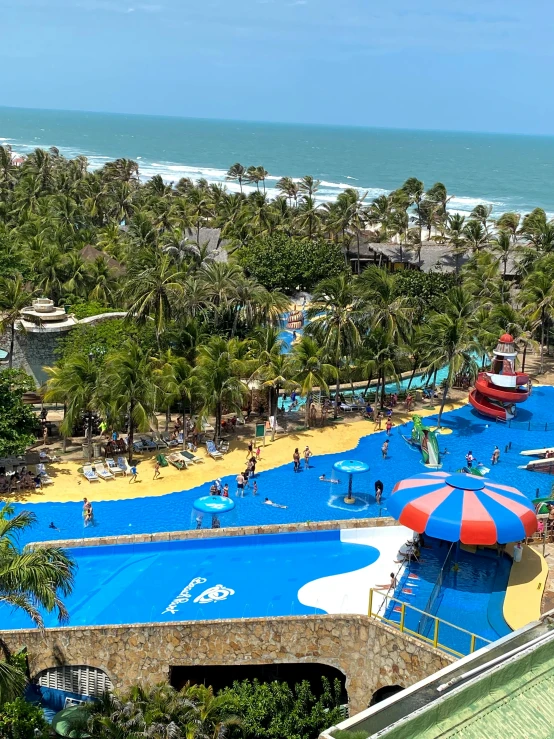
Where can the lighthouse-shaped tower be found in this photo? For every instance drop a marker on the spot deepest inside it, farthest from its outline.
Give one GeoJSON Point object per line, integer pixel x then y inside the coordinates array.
{"type": "Point", "coordinates": [496, 392]}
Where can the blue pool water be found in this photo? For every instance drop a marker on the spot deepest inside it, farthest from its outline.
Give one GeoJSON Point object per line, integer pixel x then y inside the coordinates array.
{"type": "Point", "coordinates": [306, 497]}
{"type": "Point", "coordinates": [256, 576]}
{"type": "Point", "coordinates": [471, 596]}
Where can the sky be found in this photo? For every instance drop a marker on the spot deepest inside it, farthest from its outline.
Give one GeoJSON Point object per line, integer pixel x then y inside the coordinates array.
{"type": "Point", "coordinates": [449, 64]}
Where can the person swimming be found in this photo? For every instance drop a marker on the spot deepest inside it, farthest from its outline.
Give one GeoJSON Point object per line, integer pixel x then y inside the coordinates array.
{"type": "Point", "coordinates": [275, 505]}
{"type": "Point", "coordinates": [329, 479]}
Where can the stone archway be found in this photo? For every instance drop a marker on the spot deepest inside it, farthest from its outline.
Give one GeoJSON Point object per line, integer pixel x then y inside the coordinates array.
{"type": "Point", "coordinates": [385, 692]}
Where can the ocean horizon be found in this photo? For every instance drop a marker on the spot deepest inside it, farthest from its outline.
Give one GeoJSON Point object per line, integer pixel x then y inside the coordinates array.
{"type": "Point", "coordinates": [506, 171]}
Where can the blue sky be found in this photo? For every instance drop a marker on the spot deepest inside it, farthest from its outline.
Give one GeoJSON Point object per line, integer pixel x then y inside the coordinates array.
{"type": "Point", "coordinates": [453, 64]}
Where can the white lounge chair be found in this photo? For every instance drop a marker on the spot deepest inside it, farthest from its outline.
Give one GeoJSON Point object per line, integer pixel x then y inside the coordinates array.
{"type": "Point", "coordinates": [207, 426]}
{"type": "Point", "coordinates": [113, 468]}
{"type": "Point", "coordinates": [190, 456]}
{"type": "Point", "coordinates": [102, 472]}
{"type": "Point", "coordinates": [123, 465]}
{"type": "Point", "coordinates": [89, 473]}
{"type": "Point", "coordinates": [213, 451]}
{"type": "Point", "coordinates": [44, 476]}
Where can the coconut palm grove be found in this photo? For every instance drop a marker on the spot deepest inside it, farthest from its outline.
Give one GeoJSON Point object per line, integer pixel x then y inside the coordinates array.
{"type": "Point", "coordinates": [201, 282]}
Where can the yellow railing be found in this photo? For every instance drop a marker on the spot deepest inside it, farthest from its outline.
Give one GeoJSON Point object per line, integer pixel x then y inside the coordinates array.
{"type": "Point", "coordinates": [437, 622]}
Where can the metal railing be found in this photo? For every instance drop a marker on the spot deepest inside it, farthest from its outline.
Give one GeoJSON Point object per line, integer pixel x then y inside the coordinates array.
{"type": "Point", "coordinates": [527, 425]}
{"type": "Point", "coordinates": [437, 623]}
{"type": "Point", "coordinates": [424, 621]}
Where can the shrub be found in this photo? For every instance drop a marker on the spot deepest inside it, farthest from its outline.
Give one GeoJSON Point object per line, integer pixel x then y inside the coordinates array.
{"type": "Point", "coordinates": [280, 262]}
{"type": "Point", "coordinates": [19, 720]}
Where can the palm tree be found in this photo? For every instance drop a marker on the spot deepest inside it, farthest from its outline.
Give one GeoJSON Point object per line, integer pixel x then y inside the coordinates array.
{"type": "Point", "coordinates": [14, 295]}
{"type": "Point", "coordinates": [154, 292]}
{"type": "Point", "coordinates": [129, 388]}
{"type": "Point", "coordinates": [414, 190]}
{"type": "Point", "coordinates": [219, 371]}
{"type": "Point", "coordinates": [76, 384]}
{"type": "Point", "coordinates": [509, 222]}
{"type": "Point", "coordinates": [538, 297]}
{"type": "Point", "coordinates": [449, 341]}
{"type": "Point", "coordinates": [272, 365]}
{"type": "Point", "coordinates": [381, 304]}
{"type": "Point", "coordinates": [32, 580]}
{"type": "Point", "coordinates": [308, 186]}
{"type": "Point", "coordinates": [236, 172]}
{"type": "Point", "coordinates": [482, 214]}
{"type": "Point", "coordinates": [503, 246]}
{"type": "Point", "coordinates": [180, 381]}
{"type": "Point", "coordinates": [310, 370]}
{"type": "Point", "coordinates": [455, 232]}
{"type": "Point", "coordinates": [334, 322]}
{"type": "Point", "coordinates": [475, 234]}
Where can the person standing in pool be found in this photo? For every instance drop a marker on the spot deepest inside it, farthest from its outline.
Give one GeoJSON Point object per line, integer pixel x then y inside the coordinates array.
{"type": "Point", "coordinates": [385, 448]}
{"type": "Point", "coordinates": [240, 484]}
{"type": "Point", "coordinates": [495, 459]}
{"type": "Point", "coordinates": [255, 488]}
{"type": "Point", "coordinates": [226, 490]}
{"type": "Point", "coordinates": [378, 491]}
{"type": "Point", "coordinates": [388, 425]}
{"type": "Point", "coordinates": [296, 460]}
{"type": "Point", "coordinates": [469, 458]}
{"type": "Point", "coordinates": [307, 455]}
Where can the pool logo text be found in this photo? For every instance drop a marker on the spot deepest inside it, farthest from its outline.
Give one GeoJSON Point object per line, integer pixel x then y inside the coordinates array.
{"type": "Point", "coordinates": [210, 595]}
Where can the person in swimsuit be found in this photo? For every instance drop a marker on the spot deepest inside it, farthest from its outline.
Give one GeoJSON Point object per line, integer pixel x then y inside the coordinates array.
{"type": "Point", "coordinates": [240, 484]}
{"type": "Point", "coordinates": [275, 505]}
{"type": "Point", "coordinates": [296, 460]}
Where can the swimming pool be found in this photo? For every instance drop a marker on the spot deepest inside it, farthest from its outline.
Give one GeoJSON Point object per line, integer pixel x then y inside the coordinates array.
{"type": "Point", "coordinates": [471, 596]}
{"type": "Point", "coordinates": [225, 577]}
{"type": "Point", "coordinates": [306, 497]}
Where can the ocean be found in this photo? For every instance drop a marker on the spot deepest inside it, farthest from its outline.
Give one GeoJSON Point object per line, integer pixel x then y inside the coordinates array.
{"type": "Point", "coordinates": [508, 172]}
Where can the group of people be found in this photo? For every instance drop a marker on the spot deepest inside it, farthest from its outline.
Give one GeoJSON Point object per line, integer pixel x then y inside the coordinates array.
{"type": "Point", "coordinates": [470, 459]}
{"type": "Point", "coordinates": [296, 459]}
{"type": "Point", "coordinates": [22, 479]}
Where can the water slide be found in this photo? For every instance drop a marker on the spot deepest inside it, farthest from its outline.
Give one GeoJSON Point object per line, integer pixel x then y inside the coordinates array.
{"type": "Point", "coordinates": [426, 440]}
{"type": "Point", "coordinates": [489, 407]}
{"type": "Point", "coordinates": [510, 395]}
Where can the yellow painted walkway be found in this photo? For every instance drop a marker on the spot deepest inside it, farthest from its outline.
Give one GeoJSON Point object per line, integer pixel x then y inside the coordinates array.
{"type": "Point", "coordinates": [522, 603]}
{"type": "Point", "coordinates": [69, 485]}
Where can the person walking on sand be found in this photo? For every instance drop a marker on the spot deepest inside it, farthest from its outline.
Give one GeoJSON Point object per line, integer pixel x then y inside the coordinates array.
{"type": "Point", "coordinates": [250, 449]}
{"type": "Point", "coordinates": [133, 474]}
{"type": "Point", "coordinates": [385, 448]}
{"type": "Point", "coordinates": [378, 422]}
{"type": "Point", "coordinates": [258, 453]}
{"type": "Point", "coordinates": [156, 470]}
{"type": "Point", "coordinates": [307, 455]}
{"type": "Point", "coordinates": [296, 460]}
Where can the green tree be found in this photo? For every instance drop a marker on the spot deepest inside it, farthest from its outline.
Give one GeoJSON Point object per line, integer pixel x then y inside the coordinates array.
{"type": "Point", "coordinates": [334, 320]}
{"type": "Point", "coordinates": [14, 295]}
{"type": "Point", "coordinates": [20, 719]}
{"type": "Point", "coordinates": [236, 172]}
{"type": "Point", "coordinates": [129, 388]}
{"type": "Point", "coordinates": [310, 370]}
{"type": "Point", "coordinates": [219, 369]}
{"type": "Point", "coordinates": [18, 423]}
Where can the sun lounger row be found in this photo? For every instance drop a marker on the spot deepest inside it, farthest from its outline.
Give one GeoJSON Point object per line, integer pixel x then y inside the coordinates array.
{"type": "Point", "coordinates": [98, 471]}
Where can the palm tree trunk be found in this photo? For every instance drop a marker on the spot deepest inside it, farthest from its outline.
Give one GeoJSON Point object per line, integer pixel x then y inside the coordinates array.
{"type": "Point", "coordinates": [12, 342]}
{"type": "Point", "coordinates": [183, 407]}
{"type": "Point", "coordinates": [337, 391]}
{"type": "Point", "coordinates": [524, 358]}
{"type": "Point", "coordinates": [383, 390]}
{"type": "Point", "coordinates": [217, 434]}
{"type": "Point", "coordinates": [412, 375]}
{"type": "Point", "coordinates": [443, 402]}
{"type": "Point", "coordinates": [542, 345]}
{"type": "Point", "coordinates": [89, 431]}
{"type": "Point", "coordinates": [358, 248]}
{"type": "Point", "coordinates": [308, 402]}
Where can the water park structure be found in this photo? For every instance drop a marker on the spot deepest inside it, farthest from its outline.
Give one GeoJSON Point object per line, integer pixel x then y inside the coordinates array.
{"type": "Point", "coordinates": [425, 439]}
{"type": "Point", "coordinates": [496, 392]}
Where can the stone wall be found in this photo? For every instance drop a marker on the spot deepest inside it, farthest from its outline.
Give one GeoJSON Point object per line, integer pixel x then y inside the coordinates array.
{"type": "Point", "coordinates": [369, 653]}
{"type": "Point", "coordinates": [32, 351]}
{"type": "Point", "coordinates": [285, 528]}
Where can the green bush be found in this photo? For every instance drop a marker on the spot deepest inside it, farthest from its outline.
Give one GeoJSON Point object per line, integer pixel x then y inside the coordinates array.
{"type": "Point", "coordinates": [429, 288]}
{"type": "Point", "coordinates": [283, 263]}
{"type": "Point", "coordinates": [275, 710]}
{"type": "Point", "coordinates": [18, 423]}
{"type": "Point", "coordinates": [88, 309]}
{"type": "Point", "coordinates": [345, 734]}
{"type": "Point", "coordinates": [19, 719]}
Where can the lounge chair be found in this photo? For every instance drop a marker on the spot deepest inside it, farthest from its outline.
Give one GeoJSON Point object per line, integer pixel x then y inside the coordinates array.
{"type": "Point", "coordinates": [190, 457]}
{"type": "Point", "coordinates": [160, 441]}
{"type": "Point", "coordinates": [102, 472]}
{"type": "Point", "coordinates": [213, 451]}
{"type": "Point", "coordinates": [177, 461]}
{"type": "Point", "coordinates": [89, 473]}
{"type": "Point", "coordinates": [44, 476]}
{"type": "Point", "coordinates": [223, 446]}
{"type": "Point", "coordinates": [207, 426]}
{"type": "Point", "coordinates": [49, 457]}
{"type": "Point", "coordinates": [162, 461]}
{"type": "Point", "coordinates": [169, 441]}
{"type": "Point", "coordinates": [123, 465]}
{"type": "Point", "coordinates": [148, 443]}
{"type": "Point", "coordinates": [113, 467]}
{"type": "Point", "coordinates": [139, 447]}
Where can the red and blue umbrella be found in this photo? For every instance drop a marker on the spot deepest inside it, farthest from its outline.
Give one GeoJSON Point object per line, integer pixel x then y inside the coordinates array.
{"type": "Point", "coordinates": [460, 507]}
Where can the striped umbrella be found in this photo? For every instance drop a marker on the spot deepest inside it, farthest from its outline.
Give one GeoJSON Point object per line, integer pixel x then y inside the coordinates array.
{"type": "Point", "coordinates": [460, 507]}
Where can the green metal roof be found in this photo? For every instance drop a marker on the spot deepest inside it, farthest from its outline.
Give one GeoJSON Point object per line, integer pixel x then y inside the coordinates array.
{"type": "Point", "coordinates": [514, 701]}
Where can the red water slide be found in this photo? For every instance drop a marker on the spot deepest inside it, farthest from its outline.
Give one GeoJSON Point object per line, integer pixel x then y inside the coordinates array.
{"type": "Point", "coordinates": [506, 395]}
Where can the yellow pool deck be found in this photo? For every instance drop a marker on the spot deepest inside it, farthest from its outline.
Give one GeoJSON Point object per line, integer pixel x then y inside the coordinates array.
{"type": "Point", "coordinates": [69, 485]}
{"type": "Point", "coordinates": [522, 603]}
